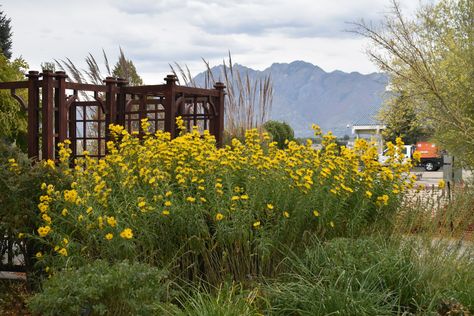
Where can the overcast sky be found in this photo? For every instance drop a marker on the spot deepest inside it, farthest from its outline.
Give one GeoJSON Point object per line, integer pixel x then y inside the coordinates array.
{"type": "Point", "coordinates": [156, 33]}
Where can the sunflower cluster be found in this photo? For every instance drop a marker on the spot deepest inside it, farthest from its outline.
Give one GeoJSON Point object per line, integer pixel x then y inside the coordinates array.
{"type": "Point", "coordinates": [157, 194]}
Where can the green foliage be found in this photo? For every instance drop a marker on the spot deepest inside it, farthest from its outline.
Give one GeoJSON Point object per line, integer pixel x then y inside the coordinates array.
{"type": "Point", "coordinates": [101, 288]}
{"type": "Point", "coordinates": [281, 132]}
{"type": "Point", "coordinates": [12, 118]}
{"type": "Point", "coordinates": [230, 218]}
{"type": "Point", "coordinates": [20, 183]}
{"type": "Point", "coordinates": [373, 276]}
{"type": "Point", "coordinates": [429, 60]}
{"type": "Point", "coordinates": [226, 300]}
{"type": "Point", "coordinates": [124, 68]}
{"type": "Point", "coordinates": [5, 35]}
{"type": "Point", "coordinates": [407, 124]}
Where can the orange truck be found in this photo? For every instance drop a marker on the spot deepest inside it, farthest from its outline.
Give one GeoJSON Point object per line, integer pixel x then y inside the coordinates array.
{"type": "Point", "coordinates": [431, 158]}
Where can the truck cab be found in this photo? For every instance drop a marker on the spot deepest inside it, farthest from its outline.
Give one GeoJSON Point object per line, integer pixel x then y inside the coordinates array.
{"type": "Point", "coordinates": [431, 158]}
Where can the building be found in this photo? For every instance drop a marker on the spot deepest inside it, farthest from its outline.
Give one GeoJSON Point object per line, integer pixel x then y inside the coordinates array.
{"type": "Point", "coordinates": [367, 126]}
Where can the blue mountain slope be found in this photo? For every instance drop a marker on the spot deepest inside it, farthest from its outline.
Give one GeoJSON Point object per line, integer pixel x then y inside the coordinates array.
{"type": "Point", "coordinates": [306, 94]}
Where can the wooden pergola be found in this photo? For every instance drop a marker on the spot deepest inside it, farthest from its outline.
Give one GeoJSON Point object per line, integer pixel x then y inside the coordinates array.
{"type": "Point", "coordinates": [58, 109]}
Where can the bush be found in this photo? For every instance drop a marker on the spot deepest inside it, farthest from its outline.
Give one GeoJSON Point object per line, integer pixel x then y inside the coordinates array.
{"type": "Point", "coordinates": [101, 288]}
{"type": "Point", "coordinates": [213, 212]}
{"type": "Point", "coordinates": [281, 132]}
{"type": "Point", "coordinates": [20, 183]}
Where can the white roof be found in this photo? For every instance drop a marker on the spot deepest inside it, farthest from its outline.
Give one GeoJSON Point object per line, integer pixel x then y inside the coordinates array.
{"type": "Point", "coordinates": [370, 128]}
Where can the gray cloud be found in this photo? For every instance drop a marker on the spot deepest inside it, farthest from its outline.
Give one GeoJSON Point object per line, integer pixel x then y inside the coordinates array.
{"type": "Point", "coordinates": [298, 18]}
{"type": "Point", "coordinates": [303, 20]}
{"type": "Point", "coordinates": [154, 33]}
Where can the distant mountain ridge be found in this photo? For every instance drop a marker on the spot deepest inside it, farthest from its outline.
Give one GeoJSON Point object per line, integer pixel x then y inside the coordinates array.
{"type": "Point", "coordinates": [305, 94]}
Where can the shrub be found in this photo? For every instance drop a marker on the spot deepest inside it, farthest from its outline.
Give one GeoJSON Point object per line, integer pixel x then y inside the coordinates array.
{"type": "Point", "coordinates": [101, 288]}
{"type": "Point", "coordinates": [20, 183]}
{"type": "Point", "coordinates": [213, 212]}
{"type": "Point", "coordinates": [281, 132]}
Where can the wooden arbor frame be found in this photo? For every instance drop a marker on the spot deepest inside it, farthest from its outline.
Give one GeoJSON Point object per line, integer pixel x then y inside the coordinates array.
{"type": "Point", "coordinates": [54, 115]}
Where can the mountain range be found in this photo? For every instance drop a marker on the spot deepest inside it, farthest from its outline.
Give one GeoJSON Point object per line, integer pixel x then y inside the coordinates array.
{"type": "Point", "coordinates": [305, 94]}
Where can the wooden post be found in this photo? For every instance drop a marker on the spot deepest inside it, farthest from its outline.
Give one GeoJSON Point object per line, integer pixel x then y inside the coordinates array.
{"type": "Point", "coordinates": [73, 126]}
{"type": "Point", "coordinates": [218, 120]}
{"type": "Point", "coordinates": [33, 115]}
{"type": "Point", "coordinates": [142, 108]}
{"type": "Point", "coordinates": [170, 105]}
{"type": "Point", "coordinates": [121, 101]}
{"type": "Point", "coordinates": [48, 116]}
{"type": "Point", "coordinates": [61, 115]}
{"type": "Point", "coordinates": [110, 105]}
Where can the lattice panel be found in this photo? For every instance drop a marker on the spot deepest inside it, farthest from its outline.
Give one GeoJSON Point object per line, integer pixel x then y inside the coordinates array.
{"type": "Point", "coordinates": [89, 127]}
{"type": "Point", "coordinates": [196, 112]}
{"type": "Point", "coordinates": [150, 107]}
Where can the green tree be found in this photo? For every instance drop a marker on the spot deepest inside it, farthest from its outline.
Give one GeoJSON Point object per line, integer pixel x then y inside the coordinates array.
{"type": "Point", "coordinates": [124, 68]}
{"type": "Point", "coordinates": [48, 66]}
{"type": "Point", "coordinates": [13, 123]}
{"type": "Point", "coordinates": [280, 132]}
{"type": "Point", "coordinates": [430, 59]}
{"type": "Point", "coordinates": [407, 123]}
{"type": "Point", "coordinates": [5, 35]}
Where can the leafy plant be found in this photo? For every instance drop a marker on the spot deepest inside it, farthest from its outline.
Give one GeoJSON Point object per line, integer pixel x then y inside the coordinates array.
{"type": "Point", "coordinates": [5, 35]}
{"type": "Point", "coordinates": [20, 189]}
{"type": "Point", "coordinates": [210, 211]}
{"type": "Point", "coordinates": [100, 288]}
{"type": "Point", "coordinates": [12, 116]}
{"type": "Point", "coordinates": [281, 132]}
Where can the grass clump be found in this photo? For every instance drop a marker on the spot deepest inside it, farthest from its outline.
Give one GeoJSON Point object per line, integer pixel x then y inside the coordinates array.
{"type": "Point", "coordinates": [227, 299]}
{"type": "Point", "coordinates": [436, 213]}
{"type": "Point", "coordinates": [374, 276]}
